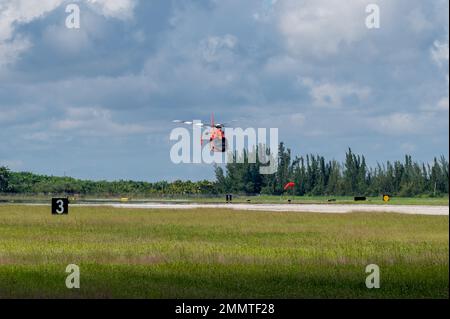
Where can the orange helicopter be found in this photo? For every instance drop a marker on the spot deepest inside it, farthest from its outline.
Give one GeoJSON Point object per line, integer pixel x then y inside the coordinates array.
{"type": "Point", "coordinates": [216, 134]}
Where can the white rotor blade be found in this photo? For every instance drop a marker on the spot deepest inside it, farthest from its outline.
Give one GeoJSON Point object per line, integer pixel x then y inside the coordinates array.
{"type": "Point", "coordinates": [184, 122]}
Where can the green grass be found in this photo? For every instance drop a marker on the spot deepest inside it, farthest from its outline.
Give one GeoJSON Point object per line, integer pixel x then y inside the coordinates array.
{"type": "Point", "coordinates": [126, 253]}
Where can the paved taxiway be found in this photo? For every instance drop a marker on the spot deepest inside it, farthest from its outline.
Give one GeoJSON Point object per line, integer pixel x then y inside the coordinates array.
{"type": "Point", "coordinates": [301, 208]}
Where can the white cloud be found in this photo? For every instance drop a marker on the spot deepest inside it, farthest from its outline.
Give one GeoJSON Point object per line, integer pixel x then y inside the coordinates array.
{"type": "Point", "coordinates": [211, 60]}
{"type": "Point", "coordinates": [265, 12]}
{"type": "Point", "coordinates": [443, 104]}
{"type": "Point", "coordinates": [320, 27]}
{"type": "Point", "coordinates": [440, 55]}
{"type": "Point", "coordinates": [65, 40]}
{"type": "Point", "coordinates": [333, 95]}
{"type": "Point", "coordinates": [214, 48]}
{"type": "Point", "coordinates": [96, 121]}
{"type": "Point", "coordinates": [397, 123]}
{"type": "Point", "coordinates": [406, 123]}
{"type": "Point", "coordinates": [121, 9]}
{"type": "Point", "coordinates": [22, 11]}
{"type": "Point", "coordinates": [19, 12]}
{"type": "Point", "coordinates": [440, 52]}
{"type": "Point", "coordinates": [11, 49]}
{"type": "Point", "coordinates": [297, 119]}
{"type": "Point", "coordinates": [418, 20]}
{"type": "Point", "coordinates": [16, 12]}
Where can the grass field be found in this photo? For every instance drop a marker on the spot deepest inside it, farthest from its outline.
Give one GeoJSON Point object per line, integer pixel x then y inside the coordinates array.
{"type": "Point", "coordinates": [126, 253]}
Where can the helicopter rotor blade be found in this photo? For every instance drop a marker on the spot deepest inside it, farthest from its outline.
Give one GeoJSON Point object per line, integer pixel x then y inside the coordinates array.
{"type": "Point", "coordinates": [182, 122]}
{"type": "Point", "coordinates": [201, 124]}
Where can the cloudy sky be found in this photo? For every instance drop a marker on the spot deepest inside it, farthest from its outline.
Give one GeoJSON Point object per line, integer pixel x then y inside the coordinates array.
{"type": "Point", "coordinates": [97, 102]}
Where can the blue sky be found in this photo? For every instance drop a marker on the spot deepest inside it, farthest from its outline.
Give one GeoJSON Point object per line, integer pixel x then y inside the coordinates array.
{"type": "Point", "coordinates": [97, 102]}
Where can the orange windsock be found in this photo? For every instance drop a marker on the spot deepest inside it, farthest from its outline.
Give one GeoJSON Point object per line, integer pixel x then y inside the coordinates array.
{"type": "Point", "coordinates": [289, 185]}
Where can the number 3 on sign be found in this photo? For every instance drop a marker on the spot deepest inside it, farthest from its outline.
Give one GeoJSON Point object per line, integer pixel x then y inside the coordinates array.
{"type": "Point", "coordinates": [60, 206]}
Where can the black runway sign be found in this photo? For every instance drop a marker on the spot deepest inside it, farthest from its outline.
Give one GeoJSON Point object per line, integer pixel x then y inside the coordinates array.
{"type": "Point", "coordinates": [60, 206]}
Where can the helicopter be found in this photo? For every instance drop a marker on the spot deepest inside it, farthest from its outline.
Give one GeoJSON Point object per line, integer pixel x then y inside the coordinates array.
{"type": "Point", "coordinates": [215, 136]}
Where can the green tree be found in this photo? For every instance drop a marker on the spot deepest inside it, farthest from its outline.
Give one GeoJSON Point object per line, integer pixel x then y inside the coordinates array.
{"type": "Point", "coordinates": [4, 179]}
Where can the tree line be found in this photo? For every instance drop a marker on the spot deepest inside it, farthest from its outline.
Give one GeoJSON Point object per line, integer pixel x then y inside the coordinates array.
{"type": "Point", "coordinates": [34, 184]}
{"type": "Point", "coordinates": [313, 175]}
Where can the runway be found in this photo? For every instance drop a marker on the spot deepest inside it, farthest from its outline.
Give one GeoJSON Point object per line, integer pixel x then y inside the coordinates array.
{"type": "Point", "coordinates": [300, 208]}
